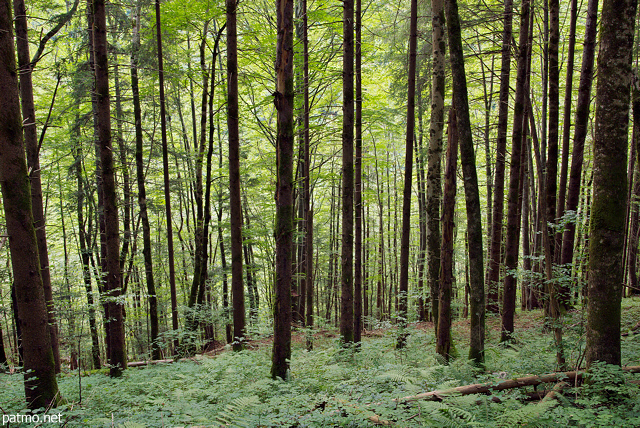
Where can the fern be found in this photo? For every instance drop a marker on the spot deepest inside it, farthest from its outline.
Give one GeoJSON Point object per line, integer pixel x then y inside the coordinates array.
{"type": "Point", "coordinates": [239, 413]}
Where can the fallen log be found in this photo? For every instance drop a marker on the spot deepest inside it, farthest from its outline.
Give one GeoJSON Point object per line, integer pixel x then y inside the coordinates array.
{"type": "Point", "coordinates": [149, 363]}
{"type": "Point", "coordinates": [484, 388]}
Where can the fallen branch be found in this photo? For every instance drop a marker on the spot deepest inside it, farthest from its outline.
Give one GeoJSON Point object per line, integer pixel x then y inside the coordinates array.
{"type": "Point", "coordinates": [484, 388]}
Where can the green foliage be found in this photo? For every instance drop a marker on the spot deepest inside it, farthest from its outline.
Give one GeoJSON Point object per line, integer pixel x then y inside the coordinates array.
{"type": "Point", "coordinates": [331, 386]}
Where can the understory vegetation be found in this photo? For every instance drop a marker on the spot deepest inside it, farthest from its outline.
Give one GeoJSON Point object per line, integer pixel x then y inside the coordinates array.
{"type": "Point", "coordinates": [331, 386]}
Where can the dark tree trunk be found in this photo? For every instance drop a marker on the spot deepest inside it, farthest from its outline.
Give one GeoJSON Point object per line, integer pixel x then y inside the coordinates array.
{"type": "Point", "coordinates": [513, 236]}
{"type": "Point", "coordinates": [434, 168]}
{"type": "Point", "coordinates": [403, 286]}
{"type": "Point", "coordinates": [165, 173]}
{"type": "Point", "coordinates": [357, 274]}
{"type": "Point", "coordinates": [606, 234]}
{"type": "Point", "coordinates": [493, 267]}
{"type": "Point", "coordinates": [346, 300]}
{"type": "Point", "coordinates": [40, 383]}
{"type": "Point", "coordinates": [580, 133]}
{"type": "Point", "coordinates": [284, 190]}
{"type": "Point", "coordinates": [443, 339]}
{"type": "Point", "coordinates": [237, 288]}
{"type": "Point", "coordinates": [142, 195]}
{"type": "Point", "coordinates": [551, 174]}
{"type": "Point", "coordinates": [113, 284]}
{"type": "Point", "coordinates": [471, 189]}
{"type": "Point", "coordinates": [33, 161]}
{"type": "Point", "coordinates": [566, 136]}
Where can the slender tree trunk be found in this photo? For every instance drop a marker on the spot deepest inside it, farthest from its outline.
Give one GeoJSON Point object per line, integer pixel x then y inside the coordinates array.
{"type": "Point", "coordinates": [566, 136]}
{"type": "Point", "coordinates": [357, 274]}
{"type": "Point", "coordinates": [346, 300]}
{"type": "Point", "coordinates": [113, 285]}
{"type": "Point", "coordinates": [403, 287]}
{"type": "Point", "coordinates": [142, 195]}
{"type": "Point", "coordinates": [493, 267]}
{"type": "Point", "coordinates": [580, 133]}
{"type": "Point", "coordinates": [434, 187]}
{"type": "Point", "coordinates": [635, 224]}
{"type": "Point", "coordinates": [40, 383]}
{"type": "Point", "coordinates": [512, 239]}
{"type": "Point", "coordinates": [606, 234]}
{"type": "Point", "coordinates": [237, 289]}
{"type": "Point", "coordinates": [284, 190]}
{"type": "Point", "coordinates": [471, 189]}
{"type": "Point", "coordinates": [443, 338]}
{"type": "Point", "coordinates": [33, 161]}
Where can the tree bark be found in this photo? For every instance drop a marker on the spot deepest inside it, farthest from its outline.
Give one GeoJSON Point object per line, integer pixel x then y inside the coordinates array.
{"type": "Point", "coordinates": [237, 288]}
{"type": "Point", "coordinates": [283, 99]}
{"type": "Point", "coordinates": [41, 389]}
{"type": "Point", "coordinates": [512, 239]}
{"type": "Point", "coordinates": [443, 339]}
{"type": "Point", "coordinates": [33, 163]}
{"type": "Point", "coordinates": [434, 168]}
{"type": "Point", "coordinates": [357, 274]}
{"type": "Point", "coordinates": [493, 267]}
{"type": "Point", "coordinates": [580, 132]}
{"type": "Point", "coordinates": [113, 285]}
{"type": "Point", "coordinates": [471, 189]}
{"type": "Point", "coordinates": [346, 300]}
{"type": "Point", "coordinates": [606, 234]}
{"type": "Point", "coordinates": [403, 286]}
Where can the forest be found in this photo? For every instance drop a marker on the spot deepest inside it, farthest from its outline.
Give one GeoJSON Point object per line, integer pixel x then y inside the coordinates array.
{"type": "Point", "coordinates": [314, 213]}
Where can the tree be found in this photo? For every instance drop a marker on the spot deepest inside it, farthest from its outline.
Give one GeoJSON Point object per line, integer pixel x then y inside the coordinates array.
{"type": "Point", "coordinates": [142, 191]}
{"type": "Point", "coordinates": [495, 248]}
{"type": "Point", "coordinates": [33, 159]}
{"type": "Point", "coordinates": [443, 338]}
{"type": "Point", "coordinates": [606, 232]}
{"type": "Point", "coordinates": [403, 287]}
{"type": "Point", "coordinates": [434, 160]}
{"type": "Point", "coordinates": [471, 190]}
{"type": "Point", "coordinates": [283, 99]}
{"type": "Point", "coordinates": [237, 289]}
{"type": "Point", "coordinates": [513, 231]}
{"type": "Point", "coordinates": [346, 257]}
{"type": "Point", "coordinates": [40, 383]}
{"type": "Point", "coordinates": [113, 284]}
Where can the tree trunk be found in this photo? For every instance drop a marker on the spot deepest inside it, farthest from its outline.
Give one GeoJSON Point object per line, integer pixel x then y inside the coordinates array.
{"type": "Point", "coordinates": [33, 161]}
{"type": "Point", "coordinates": [40, 383]}
{"type": "Point", "coordinates": [471, 190]}
{"type": "Point", "coordinates": [580, 133]}
{"type": "Point", "coordinates": [606, 234]}
{"type": "Point", "coordinates": [237, 289]}
{"type": "Point", "coordinates": [512, 239]}
{"type": "Point", "coordinates": [493, 267]}
{"type": "Point", "coordinates": [357, 274]}
{"type": "Point", "coordinates": [443, 338]}
{"type": "Point", "coordinates": [283, 99]}
{"type": "Point", "coordinates": [346, 259]}
{"type": "Point", "coordinates": [113, 285]}
{"type": "Point", "coordinates": [142, 193]}
{"type": "Point", "coordinates": [403, 288]}
{"type": "Point", "coordinates": [635, 224]}
{"type": "Point", "coordinates": [165, 173]}
{"type": "Point", "coordinates": [434, 186]}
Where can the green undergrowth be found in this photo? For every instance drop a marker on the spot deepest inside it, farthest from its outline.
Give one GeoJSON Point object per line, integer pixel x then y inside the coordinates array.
{"type": "Point", "coordinates": [332, 387]}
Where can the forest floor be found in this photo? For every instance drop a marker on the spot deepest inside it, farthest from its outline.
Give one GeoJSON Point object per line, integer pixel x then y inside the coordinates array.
{"type": "Point", "coordinates": [330, 386]}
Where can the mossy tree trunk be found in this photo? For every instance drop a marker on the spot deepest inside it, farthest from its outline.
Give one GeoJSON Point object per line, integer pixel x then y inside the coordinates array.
{"type": "Point", "coordinates": [283, 100]}
{"type": "Point", "coordinates": [40, 383]}
{"type": "Point", "coordinates": [471, 189]}
{"type": "Point", "coordinates": [434, 158]}
{"type": "Point", "coordinates": [113, 283]}
{"type": "Point", "coordinates": [606, 233]}
{"type": "Point", "coordinates": [346, 257]}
